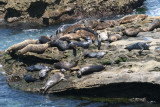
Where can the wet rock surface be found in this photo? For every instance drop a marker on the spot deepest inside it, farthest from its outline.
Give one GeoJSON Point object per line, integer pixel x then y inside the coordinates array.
{"type": "Point", "coordinates": [54, 11]}
{"type": "Point", "coordinates": [127, 74]}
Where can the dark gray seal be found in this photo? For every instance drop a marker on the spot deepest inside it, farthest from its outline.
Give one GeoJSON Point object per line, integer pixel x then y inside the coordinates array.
{"type": "Point", "coordinates": [29, 78]}
{"type": "Point", "coordinates": [56, 78]}
{"type": "Point", "coordinates": [44, 39]}
{"type": "Point", "coordinates": [89, 69]}
{"type": "Point", "coordinates": [94, 55]}
{"type": "Point", "coordinates": [37, 67]}
{"type": "Point", "coordinates": [139, 45]}
{"type": "Point", "coordinates": [84, 44]}
{"type": "Point", "coordinates": [62, 45]}
{"type": "Point", "coordinates": [43, 73]}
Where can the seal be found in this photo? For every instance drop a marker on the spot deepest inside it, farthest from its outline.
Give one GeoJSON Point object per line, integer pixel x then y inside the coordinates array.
{"type": "Point", "coordinates": [114, 37]}
{"type": "Point", "coordinates": [139, 45]}
{"type": "Point", "coordinates": [95, 36]}
{"type": "Point", "coordinates": [131, 18]}
{"type": "Point", "coordinates": [37, 67]}
{"type": "Point", "coordinates": [53, 80]}
{"type": "Point", "coordinates": [64, 29]}
{"type": "Point", "coordinates": [43, 72]}
{"type": "Point", "coordinates": [70, 36]}
{"type": "Point", "coordinates": [44, 39]}
{"type": "Point", "coordinates": [157, 49]}
{"type": "Point", "coordinates": [95, 55]}
{"type": "Point", "coordinates": [132, 32]}
{"type": "Point", "coordinates": [65, 65]}
{"type": "Point", "coordinates": [89, 69]}
{"type": "Point", "coordinates": [29, 78]}
{"type": "Point", "coordinates": [84, 45]}
{"type": "Point", "coordinates": [62, 45]}
{"type": "Point", "coordinates": [153, 25]}
{"type": "Point", "coordinates": [35, 48]}
{"type": "Point", "coordinates": [21, 45]}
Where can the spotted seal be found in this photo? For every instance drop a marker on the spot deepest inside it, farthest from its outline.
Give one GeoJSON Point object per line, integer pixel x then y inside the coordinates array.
{"type": "Point", "coordinates": [53, 80]}
{"type": "Point", "coordinates": [37, 67]}
{"type": "Point", "coordinates": [89, 69]}
{"type": "Point", "coordinates": [65, 65]}
{"type": "Point", "coordinates": [43, 72]}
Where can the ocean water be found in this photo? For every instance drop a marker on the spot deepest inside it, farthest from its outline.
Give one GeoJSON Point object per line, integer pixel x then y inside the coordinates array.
{"type": "Point", "coordinates": [10, 97]}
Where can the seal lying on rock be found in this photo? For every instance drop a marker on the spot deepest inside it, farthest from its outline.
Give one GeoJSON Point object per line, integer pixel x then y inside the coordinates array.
{"type": "Point", "coordinates": [65, 65]}
{"type": "Point", "coordinates": [64, 29]}
{"type": "Point", "coordinates": [70, 36]}
{"type": "Point", "coordinates": [43, 72]}
{"type": "Point", "coordinates": [29, 78]}
{"type": "Point", "coordinates": [140, 45]}
{"type": "Point", "coordinates": [37, 67]}
{"type": "Point", "coordinates": [114, 37]}
{"type": "Point", "coordinates": [57, 77]}
{"type": "Point", "coordinates": [21, 45]}
{"type": "Point", "coordinates": [89, 69]}
{"type": "Point", "coordinates": [44, 39]}
{"type": "Point", "coordinates": [84, 45]}
{"type": "Point", "coordinates": [153, 25]}
{"type": "Point", "coordinates": [62, 45]}
{"type": "Point", "coordinates": [94, 55]}
{"type": "Point", "coordinates": [36, 48]}
{"type": "Point", "coordinates": [132, 32]}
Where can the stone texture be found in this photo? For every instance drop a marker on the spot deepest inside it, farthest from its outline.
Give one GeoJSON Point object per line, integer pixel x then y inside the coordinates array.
{"type": "Point", "coordinates": [55, 11]}
{"type": "Point", "coordinates": [125, 72]}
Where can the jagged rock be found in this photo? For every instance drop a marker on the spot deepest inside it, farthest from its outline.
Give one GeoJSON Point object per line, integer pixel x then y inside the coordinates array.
{"type": "Point", "coordinates": [53, 11]}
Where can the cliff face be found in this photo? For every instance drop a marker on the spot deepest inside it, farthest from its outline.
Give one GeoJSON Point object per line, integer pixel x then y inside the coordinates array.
{"type": "Point", "coordinates": [56, 11]}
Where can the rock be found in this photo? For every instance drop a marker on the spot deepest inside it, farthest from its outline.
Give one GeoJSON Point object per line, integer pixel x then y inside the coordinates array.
{"type": "Point", "coordinates": [53, 11]}
{"type": "Point", "coordinates": [125, 72]}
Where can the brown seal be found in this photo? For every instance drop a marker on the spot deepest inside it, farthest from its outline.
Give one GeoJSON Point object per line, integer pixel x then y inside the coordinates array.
{"type": "Point", "coordinates": [131, 18]}
{"type": "Point", "coordinates": [36, 48]}
{"type": "Point", "coordinates": [21, 45]}
{"type": "Point", "coordinates": [132, 32]}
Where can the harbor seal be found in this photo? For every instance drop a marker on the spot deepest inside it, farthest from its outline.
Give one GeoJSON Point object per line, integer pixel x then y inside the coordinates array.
{"type": "Point", "coordinates": [89, 69]}
{"type": "Point", "coordinates": [37, 67]}
{"type": "Point", "coordinates": [43, 72]}
{"type": "Point", "coordinates": [21, 45]}
{"type": "Point", "coordinates": [139, 45]}
{"type": "Point", "coordinates": [94, 55]}
{"type": "Point", "coordinates": [65, 65]}
{"type": "Point", "coordinates": [53, 80]}
{"type": "Point", "coordinates": [114, 37]}
{"type": "Point", "coordinates": [44, 39]}
{"type": "Point", "coordinates": [29, 78]}
{"type": "Point", "coordinates": [62, 45]}
{"type": "Point", "coordinates": [84, 44]}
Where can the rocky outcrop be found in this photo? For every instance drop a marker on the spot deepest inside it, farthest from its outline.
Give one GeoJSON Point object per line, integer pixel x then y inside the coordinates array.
{"type": "Point", "coordinates": [127, 74]}
{"type": "Point", "coordinates": [56, 11]}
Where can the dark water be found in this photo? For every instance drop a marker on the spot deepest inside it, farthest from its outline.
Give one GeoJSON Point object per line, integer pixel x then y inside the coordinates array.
{"type": "Point", "coordinates": [15, 98]}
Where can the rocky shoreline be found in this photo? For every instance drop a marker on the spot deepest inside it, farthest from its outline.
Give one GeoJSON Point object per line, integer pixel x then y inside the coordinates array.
{"type": "Point", "coordinates": [52, 12]}
{"type": "Point", "coordinates": [127, 74]}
